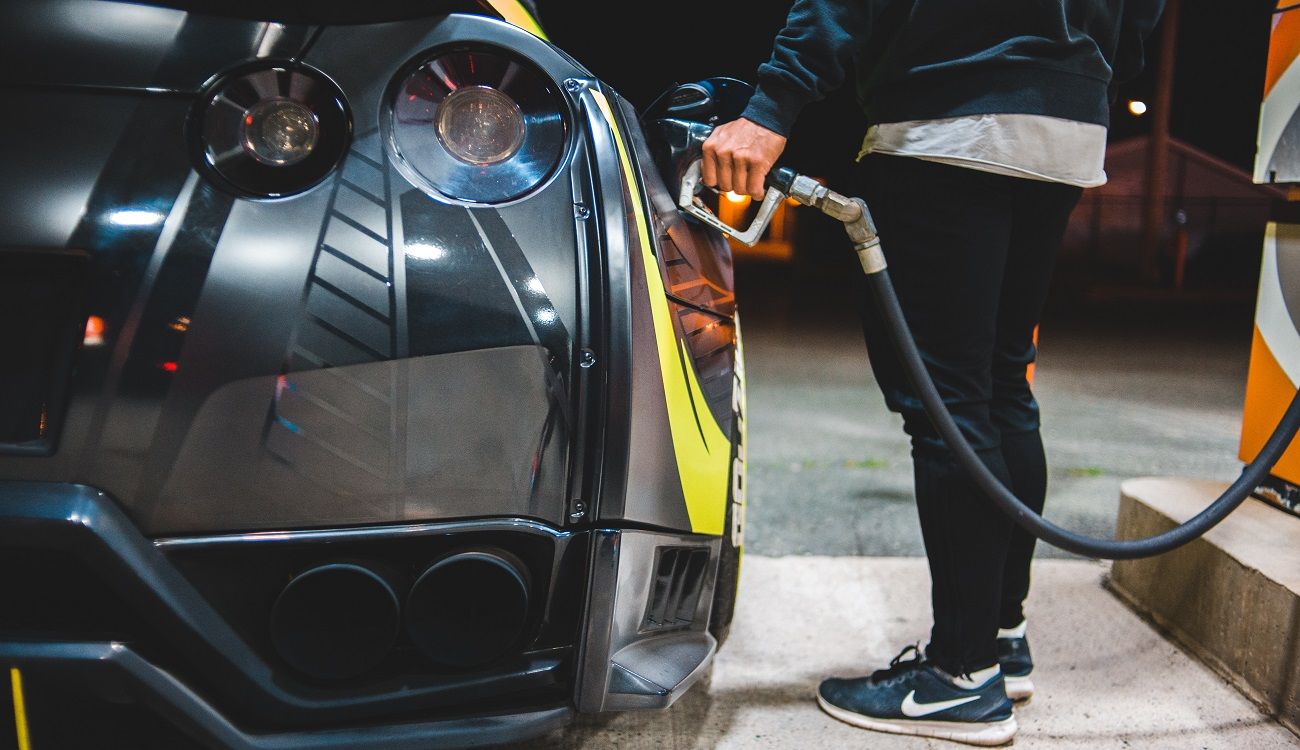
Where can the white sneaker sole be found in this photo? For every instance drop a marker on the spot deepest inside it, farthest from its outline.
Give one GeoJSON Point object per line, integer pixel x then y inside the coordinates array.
{"type": "Point", "coordinates": [1020, 688]}
{"type": "Point", "coordinates": [971, 733]}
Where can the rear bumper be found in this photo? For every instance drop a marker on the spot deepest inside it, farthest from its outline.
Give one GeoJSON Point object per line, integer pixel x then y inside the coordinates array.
{"type": "Point", "coordinates": [182, 660]}
{"type": "Point", "coordinates": [641, 640]}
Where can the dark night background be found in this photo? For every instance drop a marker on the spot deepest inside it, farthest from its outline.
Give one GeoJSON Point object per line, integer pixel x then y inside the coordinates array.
{"type": "Point", "coordinates": [641, 49]}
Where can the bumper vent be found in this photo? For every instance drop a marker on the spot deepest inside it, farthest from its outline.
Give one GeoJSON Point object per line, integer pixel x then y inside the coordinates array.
{"type": "Point", "coordinates": [675, 592]}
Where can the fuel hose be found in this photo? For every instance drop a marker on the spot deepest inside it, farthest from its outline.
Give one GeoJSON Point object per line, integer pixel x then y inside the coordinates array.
{"type": "Point", "coordinates": [1027, 519]}
{"type": "Point", "coordinates": [862, 233]}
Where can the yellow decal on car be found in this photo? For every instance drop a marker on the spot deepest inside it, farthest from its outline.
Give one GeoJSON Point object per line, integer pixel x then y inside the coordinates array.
{"type": "Point", "coordinates": [703, 452]}
{"type": "Point", "coordinates": [516, 14]}
{"type": "Point", "coordinates": [20, 709]}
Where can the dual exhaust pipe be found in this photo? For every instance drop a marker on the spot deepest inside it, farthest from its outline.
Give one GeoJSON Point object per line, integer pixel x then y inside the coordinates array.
{"type": "Point", "coordinates": [342, 619]}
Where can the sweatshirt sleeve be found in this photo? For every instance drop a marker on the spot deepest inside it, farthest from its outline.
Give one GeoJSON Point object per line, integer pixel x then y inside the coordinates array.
{"type": "Point", "coordinates": [809, 59]}
{"type": "Point", "coordinates": [1140, 17]}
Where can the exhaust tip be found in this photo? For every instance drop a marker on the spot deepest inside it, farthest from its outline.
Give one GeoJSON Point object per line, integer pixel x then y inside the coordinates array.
{"type": "Point", "coordinates": [469, 608]}
{"type": "Point", "coordinates": [335, 621]}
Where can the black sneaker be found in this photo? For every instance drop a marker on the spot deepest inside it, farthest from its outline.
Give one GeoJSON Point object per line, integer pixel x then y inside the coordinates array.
{"type": "Point", "coordinates": [915, 697]}
{"type": "Point", "coordinates": [1016, 663]}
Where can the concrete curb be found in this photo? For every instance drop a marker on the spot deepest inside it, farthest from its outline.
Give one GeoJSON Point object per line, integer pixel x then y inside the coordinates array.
{"type": "Point", "coordinates": [1232, 599]}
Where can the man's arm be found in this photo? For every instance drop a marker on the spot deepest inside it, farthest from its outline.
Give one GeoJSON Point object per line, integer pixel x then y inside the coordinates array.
{"type": "Point", "coordinates": [810, 58]}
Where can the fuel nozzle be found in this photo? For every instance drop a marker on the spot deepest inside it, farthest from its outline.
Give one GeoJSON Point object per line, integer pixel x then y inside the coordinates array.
{"type": "Point", "coordinates": [679, 155]}
{"type": "Point", "coordinates": [782, 182]}
{"type": "Point", "coordinates": [851, 211]}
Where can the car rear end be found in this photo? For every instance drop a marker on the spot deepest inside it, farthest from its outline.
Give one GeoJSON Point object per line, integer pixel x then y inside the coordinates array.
{"type": "Point", "coordinates": [335, 404]}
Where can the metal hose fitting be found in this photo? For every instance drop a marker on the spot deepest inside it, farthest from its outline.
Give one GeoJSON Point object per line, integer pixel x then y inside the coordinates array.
{"type": "Point", "coordinates": [852, 211]}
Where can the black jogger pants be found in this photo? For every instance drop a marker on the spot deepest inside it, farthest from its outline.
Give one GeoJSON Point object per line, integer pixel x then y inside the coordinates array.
{"type": "Point", "coordinates": [971, 255]}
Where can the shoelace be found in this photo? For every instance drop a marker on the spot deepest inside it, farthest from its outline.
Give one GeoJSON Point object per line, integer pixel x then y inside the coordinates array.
{"type": "Point", "coordinates": [900, 665]}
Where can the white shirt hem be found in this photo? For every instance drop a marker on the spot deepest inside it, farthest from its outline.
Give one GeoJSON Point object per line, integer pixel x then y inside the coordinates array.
{"type": "Point", "coordinates": [989, 166]}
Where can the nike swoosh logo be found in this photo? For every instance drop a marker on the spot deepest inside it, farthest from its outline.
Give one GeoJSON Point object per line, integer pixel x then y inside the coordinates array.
{"type": "Point", "coordinates": [916, 710]}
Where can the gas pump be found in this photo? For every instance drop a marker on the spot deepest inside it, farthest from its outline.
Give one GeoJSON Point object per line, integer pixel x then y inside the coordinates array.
{"type": "Point", "coordinates": [1275, 348]}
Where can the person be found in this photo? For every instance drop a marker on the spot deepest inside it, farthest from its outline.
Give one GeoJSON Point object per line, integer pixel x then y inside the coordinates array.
{"type": "Point", "coordinates": [986, 121]}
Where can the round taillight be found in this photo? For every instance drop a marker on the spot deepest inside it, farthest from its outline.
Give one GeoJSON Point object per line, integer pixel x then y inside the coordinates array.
{"type": "Point", "coordinates": [271, 130]}
{"type": "Point", "coordinates": [476, 125]}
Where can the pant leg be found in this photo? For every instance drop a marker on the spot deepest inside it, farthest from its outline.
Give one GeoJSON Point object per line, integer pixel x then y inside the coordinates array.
{"type": "Point", "coordinates": [1041, 211]}
{"type": "Point", "coordinates": [945, 232]}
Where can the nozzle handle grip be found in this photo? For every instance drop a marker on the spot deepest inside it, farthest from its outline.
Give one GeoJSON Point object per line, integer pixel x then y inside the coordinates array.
{"type": "Point", "coordinates": [780, 178]}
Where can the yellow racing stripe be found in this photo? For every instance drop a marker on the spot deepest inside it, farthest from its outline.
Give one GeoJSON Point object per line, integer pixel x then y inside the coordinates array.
{"type": "Point", "coordinates": [516, 14]}
{"type": "Point", "coordinates": [20, 709]}
{"type": "Point", "coordinates": [702, 451]}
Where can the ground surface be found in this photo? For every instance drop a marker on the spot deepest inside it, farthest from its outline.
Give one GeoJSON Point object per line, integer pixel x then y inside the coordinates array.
{"type": "Point", "coordinates": [1105, 679]}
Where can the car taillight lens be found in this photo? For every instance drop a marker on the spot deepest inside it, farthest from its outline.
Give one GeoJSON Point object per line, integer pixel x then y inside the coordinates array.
{"type": "Point", "coordinates": [476, 125]}
{"type": "Point", "coordinates": [280, 132]}
{"type": "Point", "coordinates": [271, 130]}
{"type": "Point", "coordinates": [480, 125]}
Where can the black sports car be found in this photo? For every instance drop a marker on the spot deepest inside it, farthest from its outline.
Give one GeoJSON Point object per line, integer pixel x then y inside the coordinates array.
{"type": "Point", "coordinates": [360, 384]}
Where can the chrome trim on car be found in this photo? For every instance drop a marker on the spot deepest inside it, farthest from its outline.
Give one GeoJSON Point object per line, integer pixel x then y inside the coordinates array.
{"type": "Point", "coordinates": [361, 533]}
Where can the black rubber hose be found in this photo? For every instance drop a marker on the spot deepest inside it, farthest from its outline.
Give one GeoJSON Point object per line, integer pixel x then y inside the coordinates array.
{"type": "Point", "coordinates": [1111, 549]}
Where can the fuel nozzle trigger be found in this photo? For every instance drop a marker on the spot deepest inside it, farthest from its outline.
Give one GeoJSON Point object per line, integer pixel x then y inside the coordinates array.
{"type": "Point", "coordinates": [688, 200]}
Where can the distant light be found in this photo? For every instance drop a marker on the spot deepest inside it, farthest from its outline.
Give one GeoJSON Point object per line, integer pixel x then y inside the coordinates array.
{"type": "Point", "coordinates": [421, 251]}
{"type": "Point", "coordinates": [135, 218]}
{"type": "Point", "coordinates": [1137, 108]}
{"type": "Point", "coordinates": [169, 366]}
{"type": "Point", "coordinates": [94, 331]}
{"type": "Point", "coordinates": [737, 197]}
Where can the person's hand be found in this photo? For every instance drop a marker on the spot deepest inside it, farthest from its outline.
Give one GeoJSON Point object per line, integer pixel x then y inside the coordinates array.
{"type": "Point", "coordinates": [738, 156]}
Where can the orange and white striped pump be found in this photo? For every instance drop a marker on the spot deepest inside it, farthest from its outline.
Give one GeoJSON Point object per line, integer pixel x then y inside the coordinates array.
{"type": "Point", "coordinates": [1275, 351]}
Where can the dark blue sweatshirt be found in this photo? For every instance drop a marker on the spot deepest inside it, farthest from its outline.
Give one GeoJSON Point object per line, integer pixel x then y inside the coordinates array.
{"type": "Point", "coordinates": [931, 59]}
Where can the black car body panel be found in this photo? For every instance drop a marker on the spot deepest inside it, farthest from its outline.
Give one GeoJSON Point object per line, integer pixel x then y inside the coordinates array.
{"type": "Point", "coordinates": [125, 46]}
